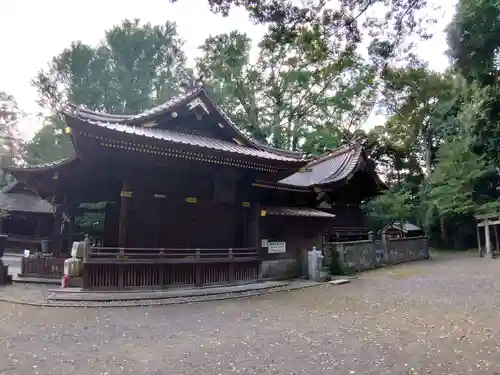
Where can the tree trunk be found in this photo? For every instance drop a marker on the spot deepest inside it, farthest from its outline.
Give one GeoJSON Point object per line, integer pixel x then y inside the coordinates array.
{"type": "Point", "coordinates": [444, 233]}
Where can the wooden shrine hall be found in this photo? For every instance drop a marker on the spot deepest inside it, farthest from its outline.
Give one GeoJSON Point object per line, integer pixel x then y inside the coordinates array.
{"type": "Point", "coordinates": [190, 199]}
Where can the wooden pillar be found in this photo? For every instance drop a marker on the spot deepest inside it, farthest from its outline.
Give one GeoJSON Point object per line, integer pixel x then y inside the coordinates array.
{"type": "Point", "coordinates": [487, 238]}
{"type": "Point", "coordinates": [71, 226]}
{"type": "Point", "coordinates": [56, 234]}
{"type": "Point", "coordinates": [254, 239]}
{"type": "Point", "coordinates": [157, 213]}
{"type": "Point", "coordinates": [38, 232]}
{"type": "Point", "coordinates": [125, 201]}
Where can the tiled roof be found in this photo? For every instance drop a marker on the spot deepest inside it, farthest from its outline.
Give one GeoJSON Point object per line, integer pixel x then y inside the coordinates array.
{"type": "Point", "coordinates": [191, 139]}
{"type": "Point", "coordinates": [296, 211]}
{"type": "Point", "coordinates": [138, 119]}
{"type": "Point", "coordinates": [24, 202]}
{"type": "Point", "coordinates": [332, 167]}
{"type": "Point", "coordinates": [407, 227]}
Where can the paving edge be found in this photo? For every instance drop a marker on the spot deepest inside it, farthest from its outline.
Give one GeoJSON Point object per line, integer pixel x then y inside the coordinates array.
{"type": "Point", "coordinates": [170, 301]}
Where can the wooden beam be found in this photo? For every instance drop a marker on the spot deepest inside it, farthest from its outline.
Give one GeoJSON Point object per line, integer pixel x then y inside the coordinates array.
{"type": "Point", "coordinates": [38, 232]}
{"type": "Point", "coordinates": [487, 216]}
{"type": "Point", "coordinates": [71, 226]}
{"type": "Point", "coordinates": [56, 235]}
{"type": "Point", "coordinates": [494, 222]}
{"type": "Point", "coordinates": [125, 198]}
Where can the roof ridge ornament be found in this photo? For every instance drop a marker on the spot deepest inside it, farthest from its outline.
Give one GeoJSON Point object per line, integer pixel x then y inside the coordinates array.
{"type": "Point", "coordinates": [191, 83]}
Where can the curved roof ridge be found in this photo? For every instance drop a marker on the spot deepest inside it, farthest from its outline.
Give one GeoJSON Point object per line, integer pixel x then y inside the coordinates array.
{"type": "Point", "coordinates": [335, 152]}
{"type": "Point", "coordinates": [90, 115]}
{"type": "Point", "coordinates": [97, 116]}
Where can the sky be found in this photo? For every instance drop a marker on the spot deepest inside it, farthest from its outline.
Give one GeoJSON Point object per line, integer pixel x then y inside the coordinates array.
{"type": "Point", "coordinates": [32, 32]}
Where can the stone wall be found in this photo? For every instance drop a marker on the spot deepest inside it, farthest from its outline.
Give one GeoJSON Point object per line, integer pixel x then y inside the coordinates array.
{"type": "Point", "coordinates": [400, 250]}
{"type": "Point", "coordinates": [278, 269]}
{"type": "Point", "coordinates": [364, 255]}
{"type": "Point", "coordinates": [354, 256]}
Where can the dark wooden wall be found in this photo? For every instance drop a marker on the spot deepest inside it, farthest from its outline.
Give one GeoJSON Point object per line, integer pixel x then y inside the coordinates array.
{"type": "Point", "coordinates": [177, 224]}
{"type": "Point", "coordinates": [28, 224]}
{"type": "Point", "coordinates": [186, 208]}
{"type": "Point", "coordinates": [299, 233]}
{"type": "Point", "coordinates": [347, 216]}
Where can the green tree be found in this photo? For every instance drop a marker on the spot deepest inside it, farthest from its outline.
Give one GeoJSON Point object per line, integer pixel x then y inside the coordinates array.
{"type": "Point", "coordinates": [342, 21]}
{"type": "Point", "coordinates": [396, 205]}
{"type": "Point", "coordinates": [414, 99]}
{"type": "Point", "coordinates": [474, 45]}
{"type": "Point", "coordinates": [454, 184]}
{"type": "Point", "coordinates": [10, 140]}
{"type": "Point", "coordinates": [300, 96]}
{"type": "Point", "coordinates": [135, 67]}
{"type": "Point", "coordinates": [474, 40]}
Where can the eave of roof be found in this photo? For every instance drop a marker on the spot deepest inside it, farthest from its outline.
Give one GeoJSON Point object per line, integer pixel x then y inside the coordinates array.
{"type": "Point", "coordinates": [42, 167]}
{"type": "Point", "coordinates": [187, 139]}
{"type": "Point", "coordinates": [279, 186]}
{"type": "Point", "coordinates": [332, 167]}
{"type": "Point", "coordinates": [297, 211]}
{"type": "Point", "coordinates": [24, 203]}
{"type": "Point", "coordinates": [169, 106]}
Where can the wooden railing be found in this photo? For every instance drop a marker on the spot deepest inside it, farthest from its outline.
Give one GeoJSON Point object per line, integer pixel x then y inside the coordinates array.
{"type": "Point", "coordinates": [136, 268]}
{"type": "Point", "coordinates": [49, 268]}
{"type": "Point", "coordinates": [161, 255]}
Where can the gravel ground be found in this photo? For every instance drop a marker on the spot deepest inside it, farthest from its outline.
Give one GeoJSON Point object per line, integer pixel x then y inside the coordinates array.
{"type": "Point", "coordinates": [436, 317]}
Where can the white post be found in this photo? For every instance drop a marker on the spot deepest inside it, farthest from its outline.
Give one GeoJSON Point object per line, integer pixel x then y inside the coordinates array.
{"type": "Point", "coordinates": [487, 238]}
{"type": "Point", "coordinates": [479, 241]}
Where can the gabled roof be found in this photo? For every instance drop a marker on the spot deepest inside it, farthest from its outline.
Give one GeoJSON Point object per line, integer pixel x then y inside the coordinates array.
{"type": "Point", "coordinates": [17, 197]}
{"type": "Point", "coordinates": [334, 166]}
{"type": "Point", "coordinates": [147, 117]}
{"type": "Point", "coordinates": [190, 140]}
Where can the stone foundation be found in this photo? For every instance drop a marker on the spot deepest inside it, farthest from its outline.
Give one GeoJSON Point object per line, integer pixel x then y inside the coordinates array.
{"type": "Point", "coordinates": [278, 269]}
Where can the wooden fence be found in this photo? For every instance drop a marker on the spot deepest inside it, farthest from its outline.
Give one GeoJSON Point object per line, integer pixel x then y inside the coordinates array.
{"type": "Point", "coordinates": [44, 267]}
{"type": "Point", "coordinates": [135, 268]}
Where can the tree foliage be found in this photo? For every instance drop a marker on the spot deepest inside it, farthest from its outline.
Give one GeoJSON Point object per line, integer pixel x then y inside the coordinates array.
{"type": "Point", "coordinates": [135, 67]}
{"type": "Point", "coordinates": [342, 20]}
{"type": "Point", "coordinates": [10, 140]}
{"type": "Point", "coordinates": [291, 95]}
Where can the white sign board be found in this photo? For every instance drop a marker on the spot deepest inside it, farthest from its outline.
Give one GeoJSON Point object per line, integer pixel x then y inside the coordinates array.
{"type": "Point", "coordinates": [275, 247]}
